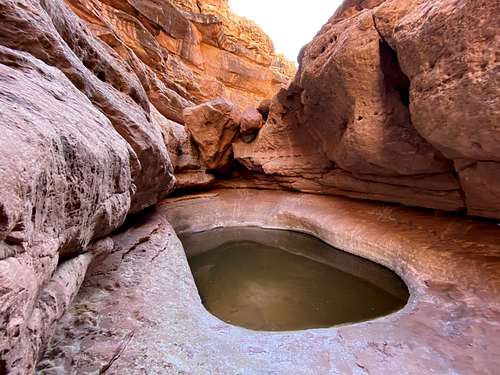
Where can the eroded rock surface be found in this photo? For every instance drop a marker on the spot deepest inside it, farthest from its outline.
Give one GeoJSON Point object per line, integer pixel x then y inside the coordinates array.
{"type": "Point", "coordinates": [378, 110]}
{"type": "Point", "coordinates": [139, 310]}
{"type": "Point", "coordinates": [189, 50]}
{"type": "Point", "coordinates": [65, 179]}
{"type": "Point", "coordinates": [79, 153]}
{"type": "Point", "coordinates": [184, 53]}
{"type": "Point", "coordinates": [214, 126]}
{"type": "Point", "coordinates": [93, 94]}
{"type": "Point", "coordinates": [394, 100]}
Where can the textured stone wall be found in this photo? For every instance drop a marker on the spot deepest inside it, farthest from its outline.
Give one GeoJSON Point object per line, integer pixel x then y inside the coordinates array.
{"type": "Point", "coordinates": [92, 95]}
{"type": "Point", "coordinates": [197, 50]}
{"type": "Point", "coordinates": [395, 101]}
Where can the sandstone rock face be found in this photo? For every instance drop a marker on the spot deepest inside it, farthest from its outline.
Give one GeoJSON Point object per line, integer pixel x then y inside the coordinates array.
{"type": "Point", "coordinates": [213, 126]}
{"type": "Point", "coordinates": [455, 93]}
{"type": "Point", "coordinates": [396, 101]}
{"type": "Point", "coordinates": [198, 50]}
{"type": "Point", "coordinates": [100, 75]}
{"type": "Point", "coordinates": [186, 52]}
{"type": "Point", "coordinates": [79, 152]}
{"type": "Point", "coordinates": [66, 179]}
{"type": "Point", "coordinates": [251, 121]}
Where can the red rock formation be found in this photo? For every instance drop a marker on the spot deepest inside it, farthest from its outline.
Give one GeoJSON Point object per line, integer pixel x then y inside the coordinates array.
{"type": "Point", "coordinates": [79, 152]}
{"type": "Point", "coordinates": [198, 49]}
{"type": "Point", "coordinates": [455, 92]}
{"type": "Point", "coordinates": [213, 126]}
{"type": "Point", "coordinates": [92, 95]}
{"type": "Point", "coordinates": [394, 101]}
{"type": "Point", "coordinates": [186, 52]}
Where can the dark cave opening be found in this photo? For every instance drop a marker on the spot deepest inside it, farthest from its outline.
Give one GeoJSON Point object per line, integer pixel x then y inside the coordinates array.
{"type": "Point", "coordinates": [394, 78]}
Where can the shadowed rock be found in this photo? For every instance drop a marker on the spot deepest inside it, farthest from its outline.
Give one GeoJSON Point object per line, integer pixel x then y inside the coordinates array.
{"type": "Point", "coordinates": [393, 100]}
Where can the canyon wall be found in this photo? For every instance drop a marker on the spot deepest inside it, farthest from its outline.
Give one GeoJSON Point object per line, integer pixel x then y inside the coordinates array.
{"type": "Point", "coordinates": [394, 100]}
{"type": "Point", "coordinates": [92, 95]}
{"type": "Point", "coordinates": [104, 101]}
{"type": "Point", "coordinates": [188, 51]}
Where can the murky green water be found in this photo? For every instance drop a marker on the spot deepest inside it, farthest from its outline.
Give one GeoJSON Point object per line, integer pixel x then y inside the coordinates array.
{"type": "Point", "coordinates": [274, 280]}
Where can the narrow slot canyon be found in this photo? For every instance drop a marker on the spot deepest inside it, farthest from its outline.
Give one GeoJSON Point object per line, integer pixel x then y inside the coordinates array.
{"type": "Point", "coordinates": [177, 196]}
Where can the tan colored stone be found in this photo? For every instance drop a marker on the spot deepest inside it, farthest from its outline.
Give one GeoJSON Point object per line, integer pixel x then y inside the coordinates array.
{"type": "Point", "coordinates": [182, 150]}
{"type": "Point", "coordinates": [213, 126]}
{"type": "Point", "coordinates": [350, 8]}
{"type": "Point", "coordinates": [192, 180]}
{"type": "Point", "coordinates": [363, 124]}
{"type": "Point", "coordinates": [251, 121]}
{"type": "Point", "coordinates": [479, 181]}
{"type": "Point", "coordinates": [102, 77]}
{"type": "Point", "coordinates": [394, 93]}
{"type": "Point", "coordinates": [65, 179]}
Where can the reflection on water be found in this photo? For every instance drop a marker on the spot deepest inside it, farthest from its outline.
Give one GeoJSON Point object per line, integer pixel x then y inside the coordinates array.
{"type": "Point", "coordinates": [273, 280]}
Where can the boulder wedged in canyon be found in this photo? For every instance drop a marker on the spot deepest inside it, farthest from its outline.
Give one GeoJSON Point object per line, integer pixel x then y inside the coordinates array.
{"type": "Point", "coordinates": [251, 121]}
{"type": "Point", "coordinates": [214, 126]}
{"type": "Point", "coordinates": [190, 170]}
{"type": "Point", "coordinates": [186, 52]}
{"type": "Point", "coordinates": [282, 147]}
{"type": "Point", "coordinates": [377, 110]}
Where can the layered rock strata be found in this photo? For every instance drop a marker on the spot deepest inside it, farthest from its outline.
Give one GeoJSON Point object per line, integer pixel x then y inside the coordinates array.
{"type": "Point", "coordinates": [189, 50]}
{"type": "Point", "coordinates": [394, 101]}
{"type": "Point", "coordinates": [184, 53]}
{"type": "Point", "coordinates": [92, 95]}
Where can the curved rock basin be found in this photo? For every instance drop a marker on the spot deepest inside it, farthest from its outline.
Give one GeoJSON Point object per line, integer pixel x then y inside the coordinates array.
{"type": "Point", "coordinates": [139, 310]}
{"type": "Point", "coordinates": [277, 280]}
